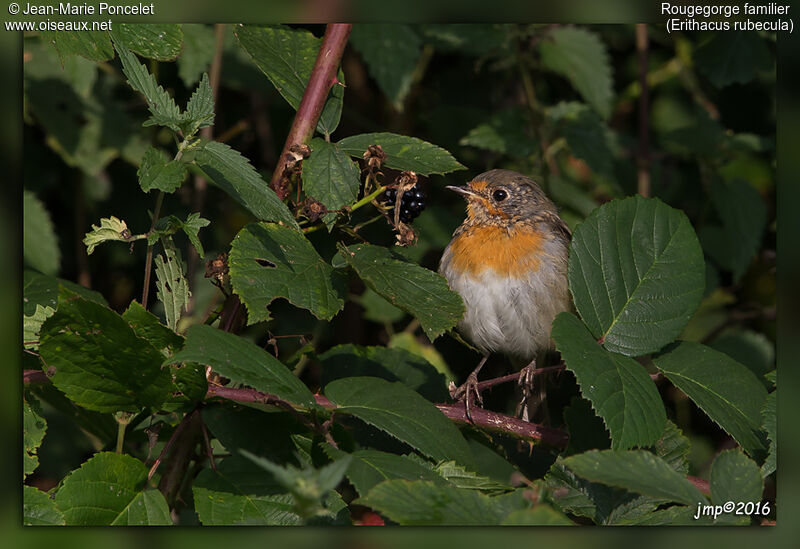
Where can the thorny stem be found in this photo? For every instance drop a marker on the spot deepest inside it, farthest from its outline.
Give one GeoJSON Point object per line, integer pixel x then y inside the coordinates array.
{"type": "Point", "coordinates": [148, 262]}
{"type": "Point", "coordinates": [323, 77]}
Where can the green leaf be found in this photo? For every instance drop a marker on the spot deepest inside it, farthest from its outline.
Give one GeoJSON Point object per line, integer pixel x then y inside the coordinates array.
{"type": "Point", "coordinates": [242, 362]}
{"type": "Point", "coordinates": [198, 52]}
{"type": "Point", "coordinates": [38, 289]}
{"type": "Point", "coordinates": [403, 153]}
{"type": "Point", "coordinates": [93, 45]}
{"type": "Point", "coordinates": [636, 273]}
{"type": "Point", "coordinates": [587, 135]}
{"type": "Point", "coordinates": [581, 57]}
{"type": "Point", "coordinates": [68, 289]}
{"type": "Point", "coordinates": [329, 175]}
{"type": "Point", "coordinates": [413, 371]}
{"type": "Point", "coordinates": [734, 477]}
{"type": "Point", "coordinates": [34, 427]}
{"type": "Point", "coordinates": [160, 42]}
{"type": "Point", "coordinates": [268, 261]}
{"type": "Point", "coordinates": [725, 390]}
{"type": "Point", "coordinates": [170, 225]}
{"type": "Point", "coordinates": [287, 57]}
{"type": "Point", "coordinates": [404, 414]}
{"type": "Point", "coordinates": [427, 503]}
{"type": "Point", "coordinates": [674, 448]}
{"type": "Point", "coordinates": [39, 241]}
{"type": "Point", "coordinates": [162, 107]}
{"type": "Point", "coordinates": [505, 132]}
{"type": "Point", "coordinates": [459, 477]}
{"type": "Point", "coordinates": [234, 174]}
{"type": "Point", "coordinates": [371, 467]}
{"type": "Point", "coordinates": [677, 515]}
{"type": "Point", "coordinates": [200, 108]}
{"type": "Point", "coordinates": [412, 288]}
{"type": "Point", "coordinates": [146, 325]}
{"type": "Point", "coordinates": [111, 489]}
{"type": "Point", "coordinates": [111, 228]}
{"type": "Point", "coordinates": [637, 470]}
{"type": "Point", "coordinates": [586, 429]}
{"type": "Point", "coordinates": [171, 284]}
{"type": "Point", "coordinates": [99, 361]}
{"type": "Point", "coordinates": [770, 425]}
{"type": "Point", "coordinates": [744, 218]}
{"type": "Point", "coordinates": [378, 309]}
{"type": "Point", "coordinates": [619, 388]}
{"type": "Point", "coordinates": [391, 52]}
{"type": "Point", "coordinates": [157, 171]}
{"type": "Point", "coordinates": [241, 492]}
{"type": "Point", "coordinates": [749, 348]}
{"type": "Point", "coordinates": [466, 38]}
{"type": "Point", "coordinates": [32, 324]}
{"type": "Point", "coordinates": [730, 57]}
{"type": "Point", "coordinates": [38, 509]}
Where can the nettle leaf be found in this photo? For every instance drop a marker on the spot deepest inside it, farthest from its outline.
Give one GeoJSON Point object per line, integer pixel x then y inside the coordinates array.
{"type": "Point", "coordinates": [391, 52]}
{"type": "Point", "coordinates": [587, 135]}
{"type": "Point", "coordinates": [330, 176]}
{"type": "Point", "coordinates": [268, 261]}
{"type": "Point", "coordinates": [171, 284]}
{"type": "Point", "coordinates": [403, 152]}
{"type": "Point", "coordinates": [424, 502]}
{"type": "Point", "coordinates": [505, 132]}
{"type": "Point", "coordinates": [735, 477]}
{"type": "Point", "coordinates": [744, 218]}
{"type": "Point", "coordinates": [34, 427]}
{"type": "Point", "coordinates": [412, 288]}
{"type": "Point", "coordinates": [636, 273]}
{"type": "Point", "coordinates": [111, 489]}
{"type": "Point", "coordinates": [242, 362]}
{"type": "Point", "coordinates": [725, 390]}
{"type": "Point", "coordinates": [111, 228]}
{"type": "Point", "coordinates": [730, 57]}
{"type": "Point", "coordinates": [770, 425]}
{"type": "Point", "coordinates": [581, 57]}
{"type": "Point", "coordinates": [234, 174]}
{"type": "Point", "coordinates": [639, 471]}
{"type": "Point", "coordinates": [404, 414]}
{"type": "Point", "coordinates": [200, 108]}
{"type": "Point", "coordinates": [400, 365]}
{"type": "Point", "coordinates": [198, 52]}
{"type": "Point", "coordinates": [38, 509]}
{"type": "Point", "coordinates": [287, 57]}
{"type": "Point", "coordinates": [154, 41]}
{"type": "Point", "coordinates": [93, 45]}
{"type": "Point", "coordinates": [619, 388]}
{"type": "Point", "coordinates": [241, 492]}
{"type": "Point", "coordinates": [157, 171]}
{"type": "Point", "coordinates": [39, 240]}
{"type": "Point", "coordinates": [146, 325]}
{"type": "Point", "coordinates": [162, 107]}
{"type": "Point", "coordinates": [170, 225]}
{"type": "Point", "coordinates": [99, 361]}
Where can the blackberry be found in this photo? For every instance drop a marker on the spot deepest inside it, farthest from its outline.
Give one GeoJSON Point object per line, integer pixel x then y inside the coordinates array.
{"type": "Point", "coordinates": [412, 204]}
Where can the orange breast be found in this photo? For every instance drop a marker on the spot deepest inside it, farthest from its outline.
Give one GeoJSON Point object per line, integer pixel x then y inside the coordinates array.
{"type": "Point", "coordinates": [513, 254]}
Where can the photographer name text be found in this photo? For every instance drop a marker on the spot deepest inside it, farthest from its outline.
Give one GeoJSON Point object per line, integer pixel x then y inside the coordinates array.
{"type": "Point", "coordinates": [103, 8]}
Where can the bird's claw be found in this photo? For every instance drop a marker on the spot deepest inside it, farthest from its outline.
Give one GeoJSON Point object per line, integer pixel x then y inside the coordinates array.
{"type": "Point", "coordinates": [467, 392]}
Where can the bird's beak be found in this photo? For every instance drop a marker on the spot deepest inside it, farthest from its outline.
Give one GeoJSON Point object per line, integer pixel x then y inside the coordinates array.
{"type": "Point", "coordinates": [465, 191]}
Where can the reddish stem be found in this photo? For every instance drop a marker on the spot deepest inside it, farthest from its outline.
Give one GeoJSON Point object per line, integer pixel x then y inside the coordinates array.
{"type": "Point", "coordinates": [323, 76]}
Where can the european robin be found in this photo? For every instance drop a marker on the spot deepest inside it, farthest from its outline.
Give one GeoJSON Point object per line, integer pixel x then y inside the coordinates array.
{"type": "Point", "coordinates": [508, 261]}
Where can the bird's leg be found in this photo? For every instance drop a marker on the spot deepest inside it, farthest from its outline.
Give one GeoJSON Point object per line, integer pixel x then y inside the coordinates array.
{"type": "Point", "coordinates": [469, 386]}
{"type": "Point", "coordinates": [527, 405]}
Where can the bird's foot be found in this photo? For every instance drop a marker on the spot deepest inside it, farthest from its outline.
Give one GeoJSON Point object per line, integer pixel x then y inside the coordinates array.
{"type": "Point", "coordinates": [526, 406]}
{"type": "Point", "coordinates": [468, 392]}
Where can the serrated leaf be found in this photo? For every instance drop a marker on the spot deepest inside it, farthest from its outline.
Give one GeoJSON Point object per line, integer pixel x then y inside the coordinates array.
{"type": "Point", "coordinates": [241, 492]}
{"type": "Point", "coordinates": [586, 429]}
{"type": "Point", "coordinates": [155, 41]}
{"type": "Point", "coordinates": [403, 152]}
{"type": "Point", "coordinates": [587, 135]}
{"type": "Point", "coordinates": [200, 108]}
{"type": "Point", "coordinates": [31, 324]}
{"type": "Point", "coordinates": [157, 171]}
{"type": "Point", "coordinates": [505, 132]}
{"type": "Point", "coordinates": [735, 477]}
{"type": "Point", "coordinates": [639, 471]}
{"type": "Point", "coordinates": [162, 107]}
{"type": "Point", "coordinates": [171, 284]}
{"type": "Point", "coordinates": [39, 241]}
{"type": "Point", "coordinates": [93, 45]}
{"type": "Point", "coordinates": [146, 325]}
{"type": "Point", "coordinates": [619, 388]}
{"type": "Point", "coordinates": [329, 175]}
{"type": "Point", "coordinates": [770, 425]}
{"type": "Point", "coordinates": [460, 477]}
{"type": "Point", "coordinates": [268, 261]}
{"type": "Point", "coordinates": [725, 390]}
{"type": "Point", "coordinates": [371, 467]}
{"type": "Point", "coordinates": [390, 364]}
{"type": "Point", "coordinates": [38, 509]}
{"type": "Point", "coordinates": [674, 448]}
{"type": "Point", "coordinates": [111, 489]}
{"type": "Point", "coordinates": [581, 57]}
{"type": "Point", "coordinates": [99, 361]}
{"type": "Point", "coordinates": [730, 57]}
{"type": "Point", "coordinates": [428, 503]}
{"type": "Point", "coordinates": [198, 52]}
{"type": "Point", "coordinates": [110, 228]}
{"type": "Point", "coordinates": [234, 174]}
{"type": "Point", "coordinates": [169, 225]}
{"type": "Point", "coordinates": [287, 57]}
{"type": "Point", "coordinates": [391, 52]}
{"type": "Point", "coordinates": [412, 288]}
{"type": "Point", "coordinates": [677, 515]}
{"type": "Point", "coordinates": [34, 427]}
{"type": "Point", "coordinates": [404, 414]}
{"type": "Point", "coordinates": [242, 362]}
{"type": "Point", "coordinates": [636, 273]}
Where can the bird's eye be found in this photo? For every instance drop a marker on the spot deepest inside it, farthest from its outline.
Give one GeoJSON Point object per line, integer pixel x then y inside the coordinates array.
{"type": "Point", "coordinates": [499, 195]}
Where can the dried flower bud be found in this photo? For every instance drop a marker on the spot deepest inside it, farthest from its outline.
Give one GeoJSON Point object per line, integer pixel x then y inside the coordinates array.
{"type": "Point", "coordinates": [375, 157]}
{"type": "Point", "coordinates": [313, 210]}
{"type": "Point", "coordinates": [407, 180]}
{"type": "Point", "coordinates": [217, 269]}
